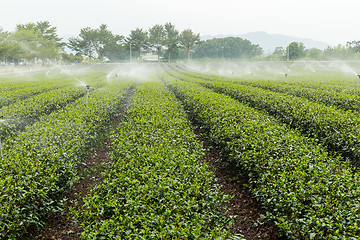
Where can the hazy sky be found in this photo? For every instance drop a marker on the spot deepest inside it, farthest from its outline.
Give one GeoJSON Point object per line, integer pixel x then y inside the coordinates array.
{"type": "Point", "coordinates": [331, 21]}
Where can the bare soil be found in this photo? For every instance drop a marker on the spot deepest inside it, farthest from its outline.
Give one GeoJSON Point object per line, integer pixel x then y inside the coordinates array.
{"type": "Point", "coordinates": [242, 205]}
{"type": "Point", "coordinates": [61, 225]}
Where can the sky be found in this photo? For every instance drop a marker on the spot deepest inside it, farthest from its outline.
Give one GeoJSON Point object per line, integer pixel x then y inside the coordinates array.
{"type": "Point", "coordinates": [331, 21]}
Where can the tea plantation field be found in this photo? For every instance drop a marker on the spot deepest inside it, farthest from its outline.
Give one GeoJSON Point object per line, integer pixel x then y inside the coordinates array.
{"type": "Point", "coordinates": [296, 137]}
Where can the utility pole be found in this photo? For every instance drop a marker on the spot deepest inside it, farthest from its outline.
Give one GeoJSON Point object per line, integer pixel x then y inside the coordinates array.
{"type": "Point", "coordinates": [288, 53]}
{"type": "Point", "coordinates": [130, 53]}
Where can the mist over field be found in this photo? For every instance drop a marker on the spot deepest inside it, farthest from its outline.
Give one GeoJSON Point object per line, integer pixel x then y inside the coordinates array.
{"type": "Point", "coordinates": [179, 120]}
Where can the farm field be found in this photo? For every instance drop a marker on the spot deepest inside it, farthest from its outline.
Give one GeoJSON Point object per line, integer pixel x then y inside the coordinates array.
{"type": "Point", "coordinates": [291, 129]}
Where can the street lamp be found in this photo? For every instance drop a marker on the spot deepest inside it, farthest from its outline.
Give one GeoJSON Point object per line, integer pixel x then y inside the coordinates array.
{"type": "Point", "coordinates": [288, 53]}
{"type": "Point", "coordinates": [130, 53]}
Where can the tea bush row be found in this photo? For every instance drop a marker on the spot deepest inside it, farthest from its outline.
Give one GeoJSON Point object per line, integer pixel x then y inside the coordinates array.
{"type": "Point", "coordinates": [40, 164]}
{"type": "Point", "coordinates": [308, 193]}
{"type": "Point", "coordinates": [319, 94]}
{"type": "Point", "coordinates": [338, 129]}
{"type": "Point", "coordinates": [18, 115]}
{"type": "Point", "coordinates": [156, 187]}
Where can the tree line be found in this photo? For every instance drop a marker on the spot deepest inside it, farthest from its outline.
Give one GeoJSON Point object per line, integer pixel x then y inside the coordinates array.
{"type": "Point", "coordinates": [228, 47]}
{"type": "Point", "coordinates": [297, 51]}
{"type": "Point", "coordinates": [101, 42]}
{"type": "Point", "coordinates": [30, 42]}
{"type": "Point", "coordinates": [40, 43]}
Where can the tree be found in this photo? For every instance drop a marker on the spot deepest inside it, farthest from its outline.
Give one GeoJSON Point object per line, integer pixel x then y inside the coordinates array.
{"type": "Point", "coordinates": [81, 45]}
{"type": "Point", "coordinates": [29, 41]}
{"type": "Point", "coordinates": [103, 39]}
{"type": "Point", "coordinates": [229, 47]}
{"type": "Point", "coordinates": [9, 49]}
{"type": "Point", "coordinates": [354, 46]}
{"type": "Point", "coordinates": [71, 58]}
{"type": "Point", "coordinates": [279, 54]}
{"type": "Point", "coordinates": [4, 44]}
{"type": "Point", "coordinates": [279, 51]}
{"type": "Point", "coordinates": [13, 51]}
{"type": "Point", "coordinates": [157, 38]}
{"type": "Point", "coordinates": [295, 50]}
{"type": "Point", "coordinates": [93, 42]}
{"type": "Point", "coordinates": [188, 39]}
{"type": "Point", "coordinates": [38, 40]}
{"type": "Point", "coordinates": [315, 54]}
{"type": "Point", "coordinates": [117, 51]}
{"type": "Point", "coordinates": [338, 52]}
{"type": "Point", "coordinates": [172, 38]}
{"type": "Point", "coordinates": [138, 39]}
{"type": "Point", "coordinates": [49, 33]}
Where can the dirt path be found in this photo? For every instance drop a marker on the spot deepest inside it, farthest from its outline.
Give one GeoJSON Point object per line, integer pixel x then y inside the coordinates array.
{"type": "Point", "coordinates": [243, 204]}
{"type": "Point", "coordinates": [61, 226]}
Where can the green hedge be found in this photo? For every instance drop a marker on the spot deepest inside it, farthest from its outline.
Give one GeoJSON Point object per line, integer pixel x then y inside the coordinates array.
{"type": "Point", "coordinates": [338, 129]}
{"type": "Point", "coordinates": [306, 192]}
{"type": "Point", "coordinates": [157, 187]}
{"type": "Point", "coordinates": [339, 100]}
{"type": "Point", "coordinates": [18, 115]}
{"type": "Point", "coordinates": [17, 93]}
{"type": "Point", "coordinates": [317, 93]}
{"type": "Point", "coordinates": [40, 164]}
{"type": "Point", "coordinates": [326, 81]}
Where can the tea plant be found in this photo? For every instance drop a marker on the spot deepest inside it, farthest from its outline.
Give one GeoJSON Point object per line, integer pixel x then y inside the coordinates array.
{"type": "Point", "coordinates": [335, 128]}
{"type": "Point", "coordinates": [40, 164]}
{"type": "Point", "coordinates": [157, 187]}
{"type": "Point", "coordinates": [308, 193]}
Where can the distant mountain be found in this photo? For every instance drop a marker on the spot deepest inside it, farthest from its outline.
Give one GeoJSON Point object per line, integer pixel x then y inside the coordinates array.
{"type": "Point", "coordinates": [268, 42]}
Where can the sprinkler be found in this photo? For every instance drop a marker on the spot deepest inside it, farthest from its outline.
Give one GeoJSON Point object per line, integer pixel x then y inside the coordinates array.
{"type": "Point", "coordinates": [285, 74]}
{"type": "Point", "coordinates": [1, 153]}
{"type": "Point", "coordinates": [87, 92]}
{"type": "Point", "coordinates": [358, 82]}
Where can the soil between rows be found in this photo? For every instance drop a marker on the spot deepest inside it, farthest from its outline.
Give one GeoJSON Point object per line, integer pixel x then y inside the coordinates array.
{"type": "Point", "coordinates": [61, 225]}
{"type": "Point", "coordinates": [243, 205]}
